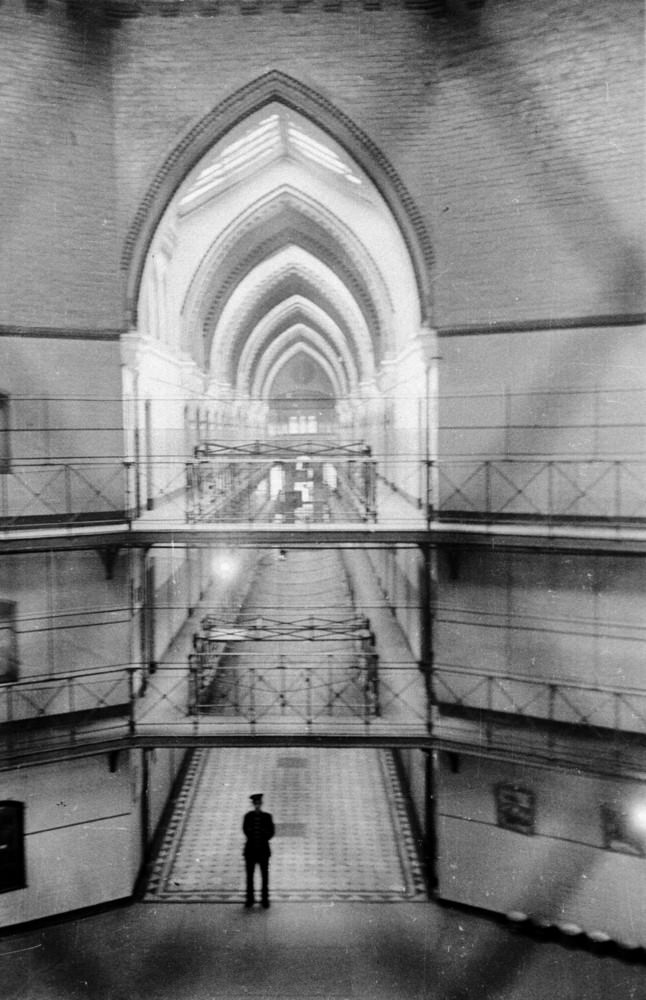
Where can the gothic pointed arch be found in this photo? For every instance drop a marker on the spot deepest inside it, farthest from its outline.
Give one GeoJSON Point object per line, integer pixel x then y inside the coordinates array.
{"type": "Point", "coordinates": [289, 273]}
{"type": "Point", "coordinates": [291, 319]}
{"type": "Point", "coordinates": [275, 86]}
{"type": "Point", "coordinates": [285, 217]}
{"type": "Point", "coordinates": [304, 349]}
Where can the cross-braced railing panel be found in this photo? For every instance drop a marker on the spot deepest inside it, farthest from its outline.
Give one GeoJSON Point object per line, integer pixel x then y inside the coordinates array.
{"type": "Point", "coordinates": [555, 488]}
{"type": "Point", "coordinates": [591, 706]}
{"type": "Point", "coordinates": [67, 491]}
{"type": "Point", "coordinates": [256, 627]}
{"type": "Point", "coordinates": [346, 694]}
{"type": "Point", "coordinates": [45, 698]}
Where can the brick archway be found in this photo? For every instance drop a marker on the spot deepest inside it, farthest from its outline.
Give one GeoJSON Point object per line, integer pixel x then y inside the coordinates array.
{"type": "Point", "coordinates": [275, 86]}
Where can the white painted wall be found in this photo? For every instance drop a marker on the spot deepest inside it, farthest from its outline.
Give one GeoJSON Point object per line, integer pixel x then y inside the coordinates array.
{"type": "Point", "coordinates": [66, 427]}
{"type": "Point", "coordinates": [562, 874]}
{"type": "Point", "coordinates": [82, 835]}
{"type": "Point", "coordinates": [544, 617]}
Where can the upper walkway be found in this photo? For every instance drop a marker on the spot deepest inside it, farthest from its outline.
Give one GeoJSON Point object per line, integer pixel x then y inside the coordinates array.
{"type": "Point", "coordinates": [400, 521]}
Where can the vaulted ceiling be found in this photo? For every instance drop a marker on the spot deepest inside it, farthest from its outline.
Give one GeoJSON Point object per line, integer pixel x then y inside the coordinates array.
{"type": "Point", "coordinates": [288, 272]}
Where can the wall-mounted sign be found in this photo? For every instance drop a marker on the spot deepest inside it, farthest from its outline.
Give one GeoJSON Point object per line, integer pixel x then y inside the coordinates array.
{"type": "Point", "coordinates": [515, 808]}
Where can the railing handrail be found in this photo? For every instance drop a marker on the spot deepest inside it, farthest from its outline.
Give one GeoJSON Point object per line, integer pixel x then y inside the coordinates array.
{"type": "Point", "coordinates": [571, 684]}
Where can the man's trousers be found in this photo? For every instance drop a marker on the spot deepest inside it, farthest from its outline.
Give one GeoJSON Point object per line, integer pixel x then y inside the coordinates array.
{"type": "Point", "coordinates": [251, 860]}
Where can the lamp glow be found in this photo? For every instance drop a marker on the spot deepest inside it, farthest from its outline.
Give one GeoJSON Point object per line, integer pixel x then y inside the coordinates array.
{"type": "Point", "coordinates": [224, 565]}
{"type": "Point", "coordinates": [638, 818]}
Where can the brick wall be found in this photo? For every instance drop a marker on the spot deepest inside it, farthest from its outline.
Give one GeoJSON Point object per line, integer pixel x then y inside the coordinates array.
{"type": "Point", "coordinates": [518, 137]}
{"type": "Point", "coordinates": [58, 255]}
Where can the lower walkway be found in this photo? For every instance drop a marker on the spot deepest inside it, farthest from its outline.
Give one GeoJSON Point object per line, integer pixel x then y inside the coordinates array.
{"type": "Point", "coordinates": [349, 918]}
{"type": "Point", "coordinates": [342, 829]}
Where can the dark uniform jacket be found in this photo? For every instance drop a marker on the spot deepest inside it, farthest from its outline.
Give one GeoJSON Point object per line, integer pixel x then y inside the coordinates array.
{"type": "Point", "coordinates": [258, 828]}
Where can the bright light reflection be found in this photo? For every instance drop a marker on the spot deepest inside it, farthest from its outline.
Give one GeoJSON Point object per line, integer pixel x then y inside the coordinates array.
{"type": "Point", "coordinates": [224, 565]}
{"type": "Point", "coordinates": [638, 817]}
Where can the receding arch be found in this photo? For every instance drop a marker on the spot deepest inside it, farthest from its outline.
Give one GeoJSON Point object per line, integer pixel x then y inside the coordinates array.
{"type": "Point", "coordinates": [280, 327]}
{"type": "Point", "coordinates": [284, 217]}
{"type": "Point", "coordinates": [287, 274]}
{"type": "Point", "coordinates": [275, 86]}
{"type": "Point", "coordinates": [309, 350]}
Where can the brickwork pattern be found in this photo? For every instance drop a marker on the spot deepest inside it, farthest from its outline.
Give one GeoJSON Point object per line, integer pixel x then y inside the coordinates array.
{"type": "Point", "coordinates": [518, 137]}
{"type": "Point", "coordinates": [58, 259]}
{"type": "Point", "coordinates": [523, 161]}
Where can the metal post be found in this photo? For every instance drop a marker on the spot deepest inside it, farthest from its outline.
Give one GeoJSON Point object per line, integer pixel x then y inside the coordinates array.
{"type": "Point", "coordinates": [487, 466]}
{"type": "Point", "coordinates": [308, 697]}
{"type": "Point", "coordinates": [68, 489]}
{"type": "Point", "coordinates": [71, 705]}
{"type": "Point", "coordinates": [193, 685]}
{"type": "Point", "coordinates": [617, 489]}
{"type": "Point", "coordinates": [4, 508]}
{"type": "Point", "coordinates": [132, 723]}
{"type": "Point", "coordinates": [363, 676]}
{"type": "Point", "coordinates": [550, 489]}
{"type": "Point", "coordinates": [9, 689]}
{"type": "Point", "coordinates": [128, 490]}
{"type": "Point", "coordinates": [550, 713]}
{"type": "Point", "coordinates": [281, 667]}
{"type": "Point", "coordinates": [426, 649]}
{"type": "Point", "coordinates": [426, 629]}
{"type": "Point", "coordinates": [252, 695]}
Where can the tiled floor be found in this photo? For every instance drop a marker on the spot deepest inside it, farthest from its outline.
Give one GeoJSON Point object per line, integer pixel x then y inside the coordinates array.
{"type": "Point", "coordinates": [342, 831]}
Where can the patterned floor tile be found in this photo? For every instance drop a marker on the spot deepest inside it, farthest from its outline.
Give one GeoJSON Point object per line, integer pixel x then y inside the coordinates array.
{"type": "Point", "coordinates": [342, 831]}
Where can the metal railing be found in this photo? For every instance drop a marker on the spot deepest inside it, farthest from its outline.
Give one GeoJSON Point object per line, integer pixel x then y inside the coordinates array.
{"type": "Point", "coordinates": [68, 492]}
{"type": "Point", "coordinates": [594, 489]}
{"type": "Point", "coordinates": [344, 695]}
{"type": "Point", "coordinates": [211, 489]}
{"type": "Point", "coordinates": [594, 707]}
{"type": "Point", "coordinates": [340, 693]}
{"type": "Point", "coordinates": [257, 688]}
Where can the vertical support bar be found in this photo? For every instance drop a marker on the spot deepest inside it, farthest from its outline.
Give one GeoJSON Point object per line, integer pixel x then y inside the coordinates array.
{"type": "Point", "coordinates": [426, 665]}
{"type": "Point", "coordinates": [71, 706]}
{"type": "Point", "coordinates": [489, 724]}
{"type": "Point", "coordinates": [252, 695]}
{"type": "Point", "coordinates": [9, 688]}
{"type": "Point", "coordinates": [68, 489]}
{"type": "Point", "coordinates": [618, 489]}
{"type": "Point", "coordinates": [188, 489]}
{"type": "Point", "coordinates": [426, 631]}
{"type": "Point", "coordinates": [363, 680]}
{"type": "Point", "coordinates": [428, 504]}
{"type": "Point", "coordinates": [193, 685]}
{"type": "Point", "coordinates": [127, 466]}
{"type": "Point", "coordinates": [430, 821]}
{"type": "Point", "coordinates": [4, 503]}
{"type": "Point", "coordinates": [550, 489]}
{"type": "Point", "coordinates": [281, 667]}
{"type": "Point", "coordinates": [145, 805]}
{"type": "Point", "coordinates": [308, 697]}
{"type": "Point", "coordinates": [550, 713]}
{"type": "Point", "coordinates": [487, 468]}
{"type": "Point", "coordinates": [132, 721]}
{"type": "Point", "coordinates": [148, 431]}
{"type": "Point", "coordinates": [617, 713]}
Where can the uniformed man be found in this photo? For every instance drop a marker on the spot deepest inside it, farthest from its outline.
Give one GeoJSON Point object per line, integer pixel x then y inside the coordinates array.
{"type": "Point", "coordinates": [258, 828]}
